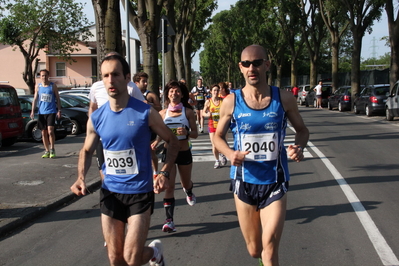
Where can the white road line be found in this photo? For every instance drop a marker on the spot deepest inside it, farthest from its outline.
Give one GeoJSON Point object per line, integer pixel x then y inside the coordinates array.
{"type": "Point", "coordinates": [384, 251]}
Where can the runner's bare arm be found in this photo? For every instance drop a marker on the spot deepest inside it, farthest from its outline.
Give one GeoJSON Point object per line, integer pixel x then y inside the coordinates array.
{"type": "Point", "coordinates": [295, 152]}
{"type": "Point", "coordinates": [226, 111]}
{"type": "Point", "coordinates": [85, 157]}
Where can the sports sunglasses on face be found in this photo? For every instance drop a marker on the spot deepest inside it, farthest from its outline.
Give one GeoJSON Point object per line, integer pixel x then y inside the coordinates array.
{"type": "Point", "coordinates": [255, 63]}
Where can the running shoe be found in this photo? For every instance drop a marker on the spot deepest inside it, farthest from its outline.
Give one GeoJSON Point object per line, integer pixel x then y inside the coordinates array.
{"type": "Point", "coordinates": [169, 226]}
{"type": "Point", "coordinates": [46, 155]}
{"type": "Point", "coordinates": [158, 260]}
{"type": "Point", "coordinates": [224, 159]}
{"type": "Point", "coordinates": [217, 165]}
{"type": "Point", "coordinates": [191, 199]}
{"type": "Point", "coordinates": [52, 154]}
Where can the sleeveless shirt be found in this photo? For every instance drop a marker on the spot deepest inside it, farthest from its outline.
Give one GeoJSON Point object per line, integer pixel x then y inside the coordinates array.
{"type": "Point", "coordinates": [173, 122]}
{"type": "Point", "coordinates": [126, 140]}
{"type": "Point", "coordinates": [262, 132]}
{"type": "Point", "coordinates": [214, 111]}
{"type": "Point", "coordinates": [47, 101]}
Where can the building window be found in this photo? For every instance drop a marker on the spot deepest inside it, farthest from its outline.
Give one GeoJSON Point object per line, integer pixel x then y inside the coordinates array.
{"type": "Point", "coordinates": [60, 69]}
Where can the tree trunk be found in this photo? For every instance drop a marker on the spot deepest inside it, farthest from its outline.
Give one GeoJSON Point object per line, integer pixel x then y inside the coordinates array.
{"type": "Point", "coordinates": [334, 60]}
{"type": "Point", "coordinates": [355, 73]}
{"type": "Point", "coordinates": [108, 29]}
{"type": "Point", "coordinates": [393, 27]}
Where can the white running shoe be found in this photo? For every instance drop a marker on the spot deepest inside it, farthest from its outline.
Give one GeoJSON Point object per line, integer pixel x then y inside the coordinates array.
{"type": "Point", "coordinates": [217, 165]}
{"type": "Point", "coordinates": [224, 159]}
{"type": "Point", "coordinates": [169, 226]}
{"type": "Point", "coordinates": [191, 199]}
{"type": "Point", "coordinates": [159, 260]}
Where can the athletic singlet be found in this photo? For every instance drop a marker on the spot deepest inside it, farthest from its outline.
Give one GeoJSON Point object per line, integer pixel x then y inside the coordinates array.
{"type": "Point", "coordinates": [262, 132]}
{"type": "Point", "coordinates": [173, 122]}
{"type": "Point", "coordinates": [201, 93]}
{"type": "Point", "coordinates": [47, 104]}
{"type": "Point", "coordinates": [214, 115]}
{"type": "Point", "coordinates": [126, 140]}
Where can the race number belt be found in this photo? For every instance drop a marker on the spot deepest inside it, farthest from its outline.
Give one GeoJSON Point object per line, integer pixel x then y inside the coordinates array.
{"type": "Point", "coordinates": [121, 162]}
{"type": "Point", "coordinates": [262, 147]}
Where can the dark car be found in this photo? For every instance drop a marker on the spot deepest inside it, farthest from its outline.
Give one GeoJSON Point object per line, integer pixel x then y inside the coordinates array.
{"type": "Point", "coordinates": [371, 99]}
{"type": "Point", "coordinates": [11, 124]}
{"type": "Point", "coordinates": [62, 127]}
{"type": "Point", "coordinates": [341, 99]}
{"type": "Point", "coordinates": [326, 91]}
{"type": "Point", "coordinates": [392, 103]}
{"type": "Point", "coordinates": [76, 100]}
{"type": "Point", "coordinates": [77, 115]}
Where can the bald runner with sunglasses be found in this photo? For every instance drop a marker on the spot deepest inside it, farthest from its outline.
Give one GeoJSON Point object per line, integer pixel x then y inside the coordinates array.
{"type": "Point", "coordinates": [257, 115]}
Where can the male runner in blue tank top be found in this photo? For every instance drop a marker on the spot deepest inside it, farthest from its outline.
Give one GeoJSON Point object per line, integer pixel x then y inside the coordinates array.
{"type": "Point", "coordinates": [124, 125]}
{"type": "Point", "coordinates": [257, 116]}
{"type": "Point", "coordinates": [48, 100]}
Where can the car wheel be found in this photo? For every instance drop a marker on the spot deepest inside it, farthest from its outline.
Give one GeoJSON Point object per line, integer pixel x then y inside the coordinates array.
{"type": "Point", "coordinates": [340, 107]}
{"type": "Point", "coordinates": [329, 106]}
{"type": "Point", "coordinates": [76, 128]}
{"type": "Point", "coordinates": [388, 116]}
{"type": "Point", "coordinates": [367, 110]}
{"type": "Point", "coordinates": [8, 142]}
{"type": "Point", "coordinates": [355, 109]}
{"type": "Point", "coordinates": [36, 133]}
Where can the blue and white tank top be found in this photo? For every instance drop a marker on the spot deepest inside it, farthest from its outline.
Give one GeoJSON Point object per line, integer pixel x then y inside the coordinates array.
{"type": "Point", "coordinates": [173, 122]}
{"type": "Point", "coordinates": [262, 132]}
{"type": "Point", "coordinates": [126, 140]}
{"type": "Point", "coordinates": [47, 102]}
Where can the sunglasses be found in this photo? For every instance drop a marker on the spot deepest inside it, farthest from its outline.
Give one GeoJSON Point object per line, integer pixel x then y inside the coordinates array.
{"type": "Point", "coordinates": [255, 63]}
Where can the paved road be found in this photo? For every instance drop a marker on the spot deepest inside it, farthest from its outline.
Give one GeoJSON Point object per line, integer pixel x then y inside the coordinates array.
{"type": "Point", "coordinates": [342, 208]}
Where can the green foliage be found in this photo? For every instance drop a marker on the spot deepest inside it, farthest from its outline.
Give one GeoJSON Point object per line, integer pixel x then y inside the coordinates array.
{"type": "Point", "coordinates": [61, 23]}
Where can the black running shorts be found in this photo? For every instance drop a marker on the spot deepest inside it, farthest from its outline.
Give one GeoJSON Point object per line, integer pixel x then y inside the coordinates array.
{"type": "Point", "coordinates": [122, 206]}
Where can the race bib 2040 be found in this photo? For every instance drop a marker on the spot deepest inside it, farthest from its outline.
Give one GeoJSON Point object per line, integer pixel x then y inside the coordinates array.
{"type": "Point", "coordinates": [262, 147]}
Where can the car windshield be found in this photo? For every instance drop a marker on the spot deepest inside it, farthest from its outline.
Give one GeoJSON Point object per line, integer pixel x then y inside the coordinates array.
{"type": "Point", "coordinates": [381, 91]}
{"type": "Point", "coordinates": [26, 106]}
{"type": "Point", "coordinates": [7, 97]}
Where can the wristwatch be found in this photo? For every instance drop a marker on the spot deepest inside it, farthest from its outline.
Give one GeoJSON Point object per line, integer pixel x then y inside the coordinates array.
{"type": "Point", "coordinates": [164, 173]}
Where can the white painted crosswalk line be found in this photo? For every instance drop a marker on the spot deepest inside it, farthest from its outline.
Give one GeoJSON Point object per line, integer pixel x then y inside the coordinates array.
{"type": "Point", "coordinates": [202, 149]}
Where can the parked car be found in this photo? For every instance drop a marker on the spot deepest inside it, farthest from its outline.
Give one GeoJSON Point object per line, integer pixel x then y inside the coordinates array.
{"type": "Point", "coordinates": [341, 99]}
{"type": "Point", "coordinates": [326, 92]}
{"type": "Point", "coordinates": [303, 91]}
{"type": "Point", "coordinates": [62, 127]}
{"type": "Point", "coordinates": [77, 115]}
{"type": "Point", "coordinates": [371, 99]}
{"type": "Point", "coordinates": [11, 124]}
{"type": "Point", "coordinates": [80, 92]}
{"type": "Point", "coordinates": [392, 103]}
{"type": "Point", "coordinates": [76, 100]}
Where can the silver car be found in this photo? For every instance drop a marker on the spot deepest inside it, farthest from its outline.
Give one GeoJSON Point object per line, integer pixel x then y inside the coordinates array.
{"type": "Point", "coordinates": [303, 91]}
{"type": "Point", "coordinates": [392, 103]}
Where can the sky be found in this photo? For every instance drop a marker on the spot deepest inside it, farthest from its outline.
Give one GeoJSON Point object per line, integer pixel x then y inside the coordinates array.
{"type": "Point", "coordinates": [372, 44]}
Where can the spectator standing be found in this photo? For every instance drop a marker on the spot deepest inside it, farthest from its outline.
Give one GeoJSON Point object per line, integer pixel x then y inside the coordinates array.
{"type": "Point", "coordinates": [257, 115]}
{"type": "Point", "coordinates": [318, 90]}
{"type": "Point", "coordinates": [295, 91]}
{"type": "Point", "coordinates": [224, 90]}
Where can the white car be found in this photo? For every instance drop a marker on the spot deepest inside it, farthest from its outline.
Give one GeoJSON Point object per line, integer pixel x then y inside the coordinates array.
{"type": "Point", "coordinates": [392, 103]}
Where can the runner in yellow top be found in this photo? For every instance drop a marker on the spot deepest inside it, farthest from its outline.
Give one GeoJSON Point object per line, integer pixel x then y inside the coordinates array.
{"type": "Point", "coordinates": [212, 106]}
